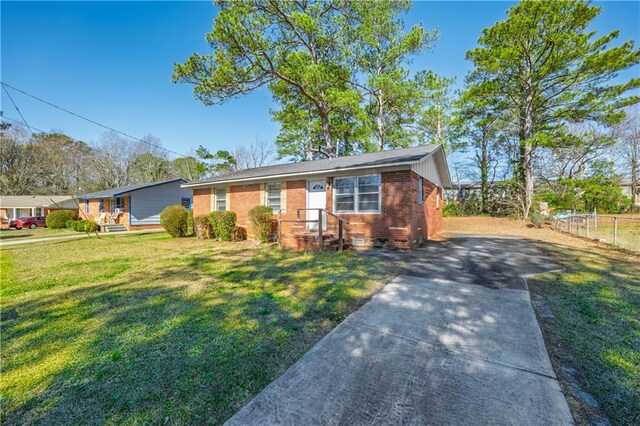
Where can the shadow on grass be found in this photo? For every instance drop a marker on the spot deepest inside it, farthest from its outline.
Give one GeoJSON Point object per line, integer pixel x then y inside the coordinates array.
{"type": "Point", "coordinates": [594, 329]}
{"type": "Point", "coordinates": [175, 343]}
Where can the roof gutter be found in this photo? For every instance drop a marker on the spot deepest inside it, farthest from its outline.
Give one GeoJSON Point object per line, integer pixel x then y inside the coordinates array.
{"type": "Point", "coordinates": [284, 175]}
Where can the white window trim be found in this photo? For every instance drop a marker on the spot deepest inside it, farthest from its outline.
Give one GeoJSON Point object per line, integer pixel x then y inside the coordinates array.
{"type": "Point", "coordinates": [215, 199]}
{"type": "Point", "coordinates": [355, 195]}
{"type": "Point", "coordinates": [266, 194]}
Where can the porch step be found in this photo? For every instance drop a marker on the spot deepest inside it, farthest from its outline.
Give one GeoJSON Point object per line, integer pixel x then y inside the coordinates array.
{"type": "Point", "coordinates": [307, 240]}
{"type": "Point", "coordinates": [113, 227]}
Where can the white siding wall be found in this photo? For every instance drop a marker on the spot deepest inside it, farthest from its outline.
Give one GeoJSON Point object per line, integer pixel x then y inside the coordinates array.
{"type": "Point", "coordinates": [428, 169]}
{"type": "Point", "coordinates": [146, 204]}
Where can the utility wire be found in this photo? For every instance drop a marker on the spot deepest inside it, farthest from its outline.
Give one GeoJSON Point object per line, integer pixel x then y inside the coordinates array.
{"type": "Point", "coordinates": [16, 107]}
{"type": "Point", "coordinates": [5, 85]}
{"type": "Point", "coordinates": [20, 123]}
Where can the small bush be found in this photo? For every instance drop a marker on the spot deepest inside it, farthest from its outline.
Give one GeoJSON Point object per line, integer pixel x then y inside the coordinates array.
{"type": "Point", "coordinates": [190, 229]}
{"type": "Point", "coordinates": [174, 220]}
{"type": "Point", "coordinates": [91, 226]}
{"type": "Point", "coordinates": [260, 218]}
{"type": "Point", "coordinates": [223, 224]}
{"type": "Point", "coordinates": [69, 224]}
{"type": "Point", "coordinates": [538, 219]}
{"type": "Point", "coordinates": [202, 226]}
{"type": "Point", "coordinates": [57, 219]}
{"type": "Point", "coordinates": [450, 209]}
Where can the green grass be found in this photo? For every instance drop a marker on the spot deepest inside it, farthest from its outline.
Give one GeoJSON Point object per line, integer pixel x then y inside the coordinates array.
{"type": "Point", "coordinates": [596, 330]}
{"type": "Point", "coordinates": [29, 234]}
{"type": "Point", "coordinates": [146, 329]}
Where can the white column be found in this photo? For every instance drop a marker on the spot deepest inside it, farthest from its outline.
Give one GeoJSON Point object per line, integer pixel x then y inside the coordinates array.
{"type": "Point", "coordinates": [15, 213]}
{"type": "Point", "coordinates": [33, 211]}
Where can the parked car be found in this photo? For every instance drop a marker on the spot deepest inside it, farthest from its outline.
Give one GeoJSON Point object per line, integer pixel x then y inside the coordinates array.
{"type": "Point", "coordinates": [31, 222]}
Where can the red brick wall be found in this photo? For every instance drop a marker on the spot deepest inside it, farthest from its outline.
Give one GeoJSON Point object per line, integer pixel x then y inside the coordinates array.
{"type": "Point", "coordinates": [393, 224]}
{"type": "Point", "coordinates": [94, 210]}
{"type": "Point", "coordinates": [243, 198]}
{"type": "Point", "coordinates": [296, 198]}
{"type": "Point", "coordinates": [427, 217]}
{"type": "Point", "coordinates": [201, 201]}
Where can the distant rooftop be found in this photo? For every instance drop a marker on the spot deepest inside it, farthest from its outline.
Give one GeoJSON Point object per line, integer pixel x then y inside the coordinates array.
{"type": "Point", "coordinates": [122, 190]}
{"type": "Point", "coordinates": [27, 201]}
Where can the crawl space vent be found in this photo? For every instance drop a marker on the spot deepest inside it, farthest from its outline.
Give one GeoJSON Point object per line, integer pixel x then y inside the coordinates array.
{"type": "Point", "coordinates": [357, 241]}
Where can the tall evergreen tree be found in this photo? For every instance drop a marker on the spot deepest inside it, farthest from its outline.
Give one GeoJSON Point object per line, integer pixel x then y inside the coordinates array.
{"type": "Point", "coordinates": [543, 68]}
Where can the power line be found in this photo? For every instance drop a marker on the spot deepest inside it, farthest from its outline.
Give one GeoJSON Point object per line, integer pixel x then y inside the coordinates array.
{"type": "Point", "coordinates": [17, 109]}
{"type": "Point", "coordinates": [20, 123]}
{"type": "Point", "coordinates": [5, 85]}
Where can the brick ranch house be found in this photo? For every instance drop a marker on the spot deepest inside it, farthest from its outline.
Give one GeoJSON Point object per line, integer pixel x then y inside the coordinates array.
{"type": "Point", "coordinates": [390, 198]}
{"type": "Point", "coordinates": [133, 207]}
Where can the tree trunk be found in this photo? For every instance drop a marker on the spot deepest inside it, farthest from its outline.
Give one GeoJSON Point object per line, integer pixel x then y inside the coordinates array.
{"type": "Point", "coordinates": [526, 155]}
{"type": "Point", "coordinates": [484, 175]}
{"type": "Point", "coordinates": [635, 163]}
{"type": "Point", "coordinates": [326, 131]}
{"type": "Point", "coordinates": [380, 121]}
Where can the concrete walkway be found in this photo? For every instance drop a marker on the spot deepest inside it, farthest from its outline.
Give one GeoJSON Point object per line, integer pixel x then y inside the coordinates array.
{"type": "Point", "coordinates": [426, 351]}
{"type": "Point", "coordinates": [73, 237]}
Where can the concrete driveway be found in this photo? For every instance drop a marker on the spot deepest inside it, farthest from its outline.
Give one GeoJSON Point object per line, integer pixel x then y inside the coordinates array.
{"type": "Point", "coordinates": [456, 342]}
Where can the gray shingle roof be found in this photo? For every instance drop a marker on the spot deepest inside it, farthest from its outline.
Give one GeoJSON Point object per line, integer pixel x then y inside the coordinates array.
{"type": "Point", "coordinates": [374, 159]}
{"type": "Point", "coordinates": [114, 192]}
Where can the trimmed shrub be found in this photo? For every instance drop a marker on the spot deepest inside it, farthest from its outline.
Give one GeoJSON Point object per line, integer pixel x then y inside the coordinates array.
{"type": "Point", "coordinates": [57, 219]}
{"type": "Point", "coordinates": [240, 234]}
{"type": "Point", "coordinates": [223, 225]}
{"type": "Point", "coordinates": [174, 220]}
{"type": "Point", "coordinates": [91, 226]}
{"type": "Point", "coordinates": [202, 226]}
{"type": "Point", "coordinates": [260, 218]}
{"type": "Point", "coordinates": [190, 229]}
{"type": "Point", "coordinates": [538, 219]}
{"type": "Point", "coordinates": [69, 224]}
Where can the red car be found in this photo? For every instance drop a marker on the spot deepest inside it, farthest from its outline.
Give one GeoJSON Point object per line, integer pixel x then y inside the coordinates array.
{"type": "Point", "coordinates": [31, 222]}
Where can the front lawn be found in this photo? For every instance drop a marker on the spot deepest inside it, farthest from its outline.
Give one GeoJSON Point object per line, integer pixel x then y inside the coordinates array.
{"type": "Point", "coordinates": [143, 329]}
{"type": "Point", "coordinates": [13, 234]}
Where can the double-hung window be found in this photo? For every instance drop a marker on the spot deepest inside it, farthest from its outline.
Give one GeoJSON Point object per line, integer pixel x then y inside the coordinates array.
{"type": "Point", "coordinates": [86, 206]}
{"type": "Point", "coordinates": [357, 194]}
{"type": "Point", "coordinates": [119, 203]}
{"type": "Point", "coordinates": [101, 205]}
{"type": "Point", "coordinates": [221, 199]}
{"type": "Point", "coordinates": [420, 191]}
{"type": "Point", "coordinates": [273, 196]}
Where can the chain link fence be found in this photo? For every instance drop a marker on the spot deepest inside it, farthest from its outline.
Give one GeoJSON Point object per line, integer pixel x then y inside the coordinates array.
{"type": "Point", "coordinates": [619, 231]}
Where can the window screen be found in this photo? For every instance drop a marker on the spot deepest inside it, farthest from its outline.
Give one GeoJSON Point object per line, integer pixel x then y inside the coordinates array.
{"type": "Point", "coordinates": [273, 196]}
{"type": "Point", "coordinates": [221, 199]}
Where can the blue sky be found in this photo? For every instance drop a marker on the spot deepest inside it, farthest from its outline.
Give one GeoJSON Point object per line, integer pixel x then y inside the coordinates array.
{"type": "Point", "coordinates": [112, 62]}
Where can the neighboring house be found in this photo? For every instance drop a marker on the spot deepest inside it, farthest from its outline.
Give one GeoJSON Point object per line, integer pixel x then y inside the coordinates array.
{"type": "Point", "coordinates": [17, 206]}
{"type": "Point", "coordinates": [626, 190]}
{"type": "Point", "coordinates": [134, 206]}
{"type": "Point", "coordinates": [388, 197]}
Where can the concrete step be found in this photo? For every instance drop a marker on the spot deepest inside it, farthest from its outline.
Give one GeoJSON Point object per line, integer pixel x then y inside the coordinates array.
{"type": "Point", "coordinates": [117, 227]}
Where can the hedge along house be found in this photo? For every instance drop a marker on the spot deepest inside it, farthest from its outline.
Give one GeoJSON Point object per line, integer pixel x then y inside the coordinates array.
{"type": "Point", "coordinates": [133, 207]}
{"type": "Point", "coordinates": [382, 198]}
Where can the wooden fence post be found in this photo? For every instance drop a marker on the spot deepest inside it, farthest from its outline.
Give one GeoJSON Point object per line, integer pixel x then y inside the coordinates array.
{"type": "Point", "coordinates": [615, 230]}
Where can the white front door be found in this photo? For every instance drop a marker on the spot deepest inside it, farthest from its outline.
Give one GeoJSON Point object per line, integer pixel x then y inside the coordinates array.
{"type": "Point", "coordinates": [316, 199]}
